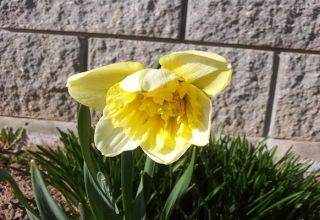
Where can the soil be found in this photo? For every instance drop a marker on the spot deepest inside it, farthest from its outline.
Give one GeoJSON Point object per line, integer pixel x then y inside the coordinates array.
{"type": "Point", "coordinates": [10, 209]}
{"type": "Point", "coordinates": [9, 205]}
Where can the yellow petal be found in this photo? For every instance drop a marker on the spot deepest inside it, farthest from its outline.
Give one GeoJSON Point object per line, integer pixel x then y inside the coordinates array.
{"type": "Point", "coordinates": [201, 133]}
{"type": "Point", "coordinates": [112, 141]}
{"type": "Point", "coordinates": [166, 145]}
{"type": "Point", "coordinates": [90, 88]}
{"type": "Point", "coordinates": [147, 80]}
{"type": "Point", "coordinates": [208, 71]}
{"type": "Point", "coordinates": [168, 157]}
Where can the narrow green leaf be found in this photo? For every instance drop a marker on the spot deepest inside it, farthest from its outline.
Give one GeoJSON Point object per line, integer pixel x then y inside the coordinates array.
{"type": "Point", "coordinates": [84, 213]}
{"type": "Point", "coordinates": [147, 176]}
{"type": "Point", "coordinates": [32, 216]}
{"type": "Point", "coordinates": [101, 206]}
{"type": "Point", "coordinates": [288, 200]}
{"type": "Point", "coordinates": [139, 211]}
{"type": "Point", "coordinates": [179, 189]}
{"type": "Point", "coordinates": [48, 208]}
{"type": "Point", "coordinates": [105, 187]}
{"type": "Point", "coordinates": [5, 176]}
{"type": "Point", "coordinates": [126, 183]}
{"type": "Point", "coordinates": [84, 132]}
{"type": "Point", "coordinates": [156, 64]}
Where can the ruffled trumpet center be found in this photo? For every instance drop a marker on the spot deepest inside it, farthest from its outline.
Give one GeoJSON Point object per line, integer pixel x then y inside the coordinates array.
{"type": "Point", "coordinates": [162, 119]}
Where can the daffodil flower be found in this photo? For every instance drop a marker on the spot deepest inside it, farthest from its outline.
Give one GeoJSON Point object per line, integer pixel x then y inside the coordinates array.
{"type": "Point", "coordinates": [163, 111]}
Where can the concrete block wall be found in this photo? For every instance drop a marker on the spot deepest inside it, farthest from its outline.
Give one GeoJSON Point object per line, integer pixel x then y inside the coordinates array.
{"type": "Point", "coordinates": [274, 47]}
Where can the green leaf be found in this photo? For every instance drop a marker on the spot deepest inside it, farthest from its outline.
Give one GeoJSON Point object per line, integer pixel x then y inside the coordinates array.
{"type": "Point", "coordinates": [101, 206]}
{"type": "Point", "coordinates": [287, 200]}
{"type": "Point", "coordinates": [105, 186]}
{"type": "Point", "coordinates": [48, 208]}
{"type": "Point", "coordinates": [126, 183]}
{"type": "Point", "coordinates": [84, 132]}
{"type": "Point", "coordinates": [148, 173]}
{"type": "Point", "coordinates": [139, 211]}
{"type": "Point", "coordinates": [5, 176]}
{"type": "Point", "coordinates": [31, 215]}
{"type": "Point", "coordinates": [179, 189]}
{"type": "Point", "coordinates": [85, 214]}
{"type": "Point", "coordinates": [156, 64]}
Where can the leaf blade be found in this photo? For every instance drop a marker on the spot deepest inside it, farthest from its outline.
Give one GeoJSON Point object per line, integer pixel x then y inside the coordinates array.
{"type": "Point", "coordinates": [48, 208]}
{"type": "Point", "coordinates": [179, 189]}
{"type": "Point", "coordinates": [139, 211]}
{"type": "Point", "coordinates": [126, 183]}
{"type": "Point", "coordinates": [101, 206]}
{"type": "Point", "coordinates": [5, 176]}
{"type": "Point", "coordinates": [84, 132]}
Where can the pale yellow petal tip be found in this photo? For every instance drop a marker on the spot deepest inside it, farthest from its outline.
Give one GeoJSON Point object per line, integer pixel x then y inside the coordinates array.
{"type": "Point", "coordinates": [147, 80]}
{"type": "Point", "coordinates": [165, 158]}
{"type": "Point", "coordinates": [111, 141]}
{"type": "Point", "coordinates": [182, 54]}
{"type": "Point", "coordinates": [76, 78]}
{"type": "Point", "coordinates": [110, 72]}
{"type": "Point", "coordinates": [200, 142]}
{"type": "Point", "coordinates": [69, 80]}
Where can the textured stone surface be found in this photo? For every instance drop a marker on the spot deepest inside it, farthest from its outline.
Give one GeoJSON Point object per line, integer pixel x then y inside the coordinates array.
{"type": "Point", "coordinates": [40, 132]}
{"type": "Point", "coordinates": [305, 150]}
{"type": "Point", "coordinates": [35, 126]}
{"type": "Point", "coordinates": [143, 17]}
{"type": "Point", "coordinates": [241, 107]}
{"type": "Point", "coordinates": [280, 23]}
{"type": "Point", "coordinates": [297, 101]}
{"type": "Point", "coordinates": [33, 73]}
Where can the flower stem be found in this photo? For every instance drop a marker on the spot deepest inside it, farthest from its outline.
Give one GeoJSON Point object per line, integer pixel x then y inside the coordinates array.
{"type": "Point", "coordinates": [126, 183]}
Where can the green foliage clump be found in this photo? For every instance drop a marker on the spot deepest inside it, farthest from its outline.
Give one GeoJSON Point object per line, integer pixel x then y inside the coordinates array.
{"type": "Point", "coordinates": [228, 179]}
{"type": "Point", "coordinates": [12, 143]}
{"type": "Point", "coordinates": [234, 179]}
{"type": "Point", "coordinates": [10, 138]}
